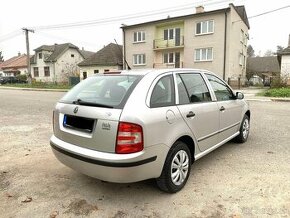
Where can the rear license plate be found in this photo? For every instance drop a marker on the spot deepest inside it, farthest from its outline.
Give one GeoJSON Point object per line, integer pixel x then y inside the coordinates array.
{"type": "Point", "coordinates": [78, 123]}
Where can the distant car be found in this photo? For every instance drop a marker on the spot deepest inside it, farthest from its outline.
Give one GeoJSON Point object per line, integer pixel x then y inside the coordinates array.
{"type": "Point", "coordinates": [255, 80]}
{"type": "Point", "coordinates": [10, 80]}
{"type": "Point", "coordinates": [138, 125]}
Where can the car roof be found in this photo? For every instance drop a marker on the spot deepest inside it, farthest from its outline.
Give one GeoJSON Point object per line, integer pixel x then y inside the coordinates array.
{"type": "Point", "coordinates": [144, 72]}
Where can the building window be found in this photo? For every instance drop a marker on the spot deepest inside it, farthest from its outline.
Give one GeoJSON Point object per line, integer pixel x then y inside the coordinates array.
{"type": "Point", "coordinates": [203, 54]}
{"type": "Point", "coordinates": [242, 60]}
{"type": "Point", "coordinates": [46, 71]}
{"type": "Point", "coordinates": [72, 55]}
{"type": "Point", "coordinates": [106, 70]}
{"type": "Point", "coordinates": [168, 58]}
{"type": "Point", "coordinates": [139, 59]}
{"type": "Point", "coordinates": [85, 75]}
{"type": "Point", "coordinates": [245, 40]}
{"type": "Point", "coordinates": [35, 72]}
{"type": "Point", "coordinates": [204, 27]}
{"type": "Point", "coordinates": [139, 36]}
{"type": "Point", "coordinates": [96, 71]}
{"type": "Point", "coordinates": [168, 34]}
{"type": "Point", "coordinates": [39, 55]}
{"type": "Point", "coordinates": [242, 36]}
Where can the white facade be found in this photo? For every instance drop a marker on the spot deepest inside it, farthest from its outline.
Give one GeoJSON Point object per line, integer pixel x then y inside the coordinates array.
{"type": "Point", "coordinates": [285, 66]}
{"type": "Point", "coordinates": [23, 71]}
{"type": "Point", "coordinates": [91, 70]}
{"type": "Point", "coordinates": [59, 70]}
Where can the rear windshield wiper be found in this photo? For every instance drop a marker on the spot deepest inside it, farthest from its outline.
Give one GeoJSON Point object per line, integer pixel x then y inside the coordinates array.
{"type": "Point", "coordinates": [87, 103]}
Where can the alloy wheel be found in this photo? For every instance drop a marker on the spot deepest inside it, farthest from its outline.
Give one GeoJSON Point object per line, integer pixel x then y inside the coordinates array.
{"type": "Point", "coordinates": [179, 167]}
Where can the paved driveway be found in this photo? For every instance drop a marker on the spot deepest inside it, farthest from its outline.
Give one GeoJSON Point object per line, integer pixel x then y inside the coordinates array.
{"type": "Point", "coordinates": [245, 180]}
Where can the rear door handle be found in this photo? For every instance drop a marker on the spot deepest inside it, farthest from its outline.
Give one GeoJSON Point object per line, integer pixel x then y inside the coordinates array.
{"type": "Point", "coordinates": [190, 114]}
{"type": "Point", "coordinates": [222, 108]}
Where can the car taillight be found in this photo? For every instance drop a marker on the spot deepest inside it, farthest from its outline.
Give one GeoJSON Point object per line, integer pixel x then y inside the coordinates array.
{"type": "Point", "coordinates": [129, 138]}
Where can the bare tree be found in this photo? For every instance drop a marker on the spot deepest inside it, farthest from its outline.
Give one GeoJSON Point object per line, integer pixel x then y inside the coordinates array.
{"type": "Point", "coordinates": [1, 57]}
{"type": "Point", "coordinates": [268, 53]}
{"type": "Point", "coordinates": [279, 49]}
{"type": "Point", "coordinates": [250, 51]}
{"type": "Point", "coordinates": [70, 70]}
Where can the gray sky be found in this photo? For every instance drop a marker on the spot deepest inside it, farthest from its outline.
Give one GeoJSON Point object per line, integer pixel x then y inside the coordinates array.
{"type": "Point", "coordinates": [266, 31]}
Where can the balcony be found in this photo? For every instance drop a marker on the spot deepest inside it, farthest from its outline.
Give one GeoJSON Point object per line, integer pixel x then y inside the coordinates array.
{"type": "Point", "coordinates": [160, 44]}
{"type": "Point", "coordinates": [169, 65]}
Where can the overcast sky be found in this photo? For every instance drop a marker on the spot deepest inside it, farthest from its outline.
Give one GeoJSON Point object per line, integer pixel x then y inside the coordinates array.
{"type": "Point", "coordinates": [266, 31]}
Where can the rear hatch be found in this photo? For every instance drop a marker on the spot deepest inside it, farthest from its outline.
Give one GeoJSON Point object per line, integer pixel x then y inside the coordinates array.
{"type": "Point", "coordinates": [88, 115]}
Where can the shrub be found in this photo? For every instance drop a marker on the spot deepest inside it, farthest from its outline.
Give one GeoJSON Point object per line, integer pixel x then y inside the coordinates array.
{"type": "Point", "coordinates": [22, 77]}
{"type": "Point", "coordinates": [278, 92]}
{"type": "Point", "coordinates": [278, 82]}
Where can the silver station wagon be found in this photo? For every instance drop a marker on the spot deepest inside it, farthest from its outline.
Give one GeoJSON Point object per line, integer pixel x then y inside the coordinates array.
{"type": "Point", "coordinates": [138, 125]}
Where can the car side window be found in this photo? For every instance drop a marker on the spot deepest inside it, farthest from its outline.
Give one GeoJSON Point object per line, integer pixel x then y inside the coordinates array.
{"type": "Point", "coordinates": [221, 90]}
{"type": "Point", "coordinates": [196, 88]}
{"type": "Point", "coordinates": [182, 92]}
{"type": "Point", "coordinates": [163, 93]}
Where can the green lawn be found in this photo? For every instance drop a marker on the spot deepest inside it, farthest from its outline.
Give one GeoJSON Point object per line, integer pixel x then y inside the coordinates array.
{"type": "Point", "coordinates": [277, 92]}
{"type": "Point", "coordinates": [40, 86]}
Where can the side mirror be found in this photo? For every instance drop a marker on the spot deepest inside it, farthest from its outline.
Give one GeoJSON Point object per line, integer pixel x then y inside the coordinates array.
{"type": "Point", "coordinates": [239, 95]}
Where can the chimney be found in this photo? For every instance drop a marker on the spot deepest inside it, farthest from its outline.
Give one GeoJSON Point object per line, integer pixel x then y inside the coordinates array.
{"type": "Point", "coordinates": [289, 41]}
{"type": "Point", "coordinates": [19, 54]}
{"type": "Point", "coordinates": [83, 49]}
{"type": "Point", "coordinates": [199, 9]}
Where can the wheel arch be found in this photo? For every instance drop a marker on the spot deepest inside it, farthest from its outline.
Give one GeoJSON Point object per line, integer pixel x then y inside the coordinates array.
{"type": "Point", "coordinates": [248, 113]}
{"type": "Point", "coordinates": [190, 144]}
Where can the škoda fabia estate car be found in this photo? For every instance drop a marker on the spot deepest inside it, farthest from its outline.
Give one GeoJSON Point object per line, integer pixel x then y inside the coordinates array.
{"type": "Point", "coordinates": [138, 125]}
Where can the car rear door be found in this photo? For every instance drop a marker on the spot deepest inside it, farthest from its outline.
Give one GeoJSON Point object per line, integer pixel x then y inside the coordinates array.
{"type": "Point", "coordinates": [198, 110]}
{"type": "Point", "coordinates": [229, 107]}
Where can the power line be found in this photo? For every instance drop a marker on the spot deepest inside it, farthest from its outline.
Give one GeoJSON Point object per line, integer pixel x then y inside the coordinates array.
{"type": "Point", "coordinates": [10, 35]}
{"type": "Point", "coordinates": [52, 36]}
{"type": "Point", "coordinates": [116, 19]}
{"type": "Point", "coordinates": [128, 17]}
{"type": "Point", "coordinates": [268, 12]}
{"type": "Point", "coordinates": [264, 13]}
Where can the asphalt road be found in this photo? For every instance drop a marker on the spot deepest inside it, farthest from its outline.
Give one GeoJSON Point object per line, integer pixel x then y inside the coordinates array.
{"type": "Point", "coordinates": [247, 180]}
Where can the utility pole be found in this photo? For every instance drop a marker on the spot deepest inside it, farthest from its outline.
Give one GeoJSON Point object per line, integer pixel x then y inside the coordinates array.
{"type": "Point", "coordinates": [27, 52]}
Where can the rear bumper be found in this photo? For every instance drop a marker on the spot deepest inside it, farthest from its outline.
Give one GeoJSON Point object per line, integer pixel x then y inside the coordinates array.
{"type": "Point", "coordinates": [111, 167]}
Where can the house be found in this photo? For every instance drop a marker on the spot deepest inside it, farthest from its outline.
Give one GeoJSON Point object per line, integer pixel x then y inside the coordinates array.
{"type": "Point", "coordinates": [264, 67]}
{"type": "Point", "coordinates": [213, 40]}
{"type": "Point", "coordinates": [284, 61]}
{"type": "Point", "coordinates": [14, 66]}
{"type": "Point", "coordinates": [108, 59]}
{"type": "Point", "coordinates": [56, 63]}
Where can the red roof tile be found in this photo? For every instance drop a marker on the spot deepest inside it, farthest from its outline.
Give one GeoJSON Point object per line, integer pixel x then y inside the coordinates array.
{"type": "Point", "coordinates": [15, 62]}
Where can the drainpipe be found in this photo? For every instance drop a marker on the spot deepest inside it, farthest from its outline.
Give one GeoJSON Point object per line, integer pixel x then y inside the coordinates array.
{"type": "Point", "coordinates": [124, 51]}
{"type": "Point", "coordinates": [225, 45]}
{"type": "Point", "coordinates": [54, 77]}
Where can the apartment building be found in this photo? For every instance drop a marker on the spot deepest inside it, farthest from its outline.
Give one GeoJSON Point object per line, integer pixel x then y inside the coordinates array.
{"type": "Point", "coordinates": [213, 40]}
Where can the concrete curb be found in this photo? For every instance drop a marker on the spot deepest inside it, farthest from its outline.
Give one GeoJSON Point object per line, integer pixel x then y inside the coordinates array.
{"type": "Point", "coordinates": [281, 99]}
{"type": "Point", "coordinates": [267, 99]}
{"type": "Point", "coordinates": [251, 96]}
{"type": "Point", "coordinates": [34, 89]}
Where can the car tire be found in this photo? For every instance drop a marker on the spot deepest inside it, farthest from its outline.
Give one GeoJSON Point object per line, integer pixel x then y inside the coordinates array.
{"type": "Point", "coordinates": [176, 168]}
{"type": "Point", "coordinates": [244, 130]}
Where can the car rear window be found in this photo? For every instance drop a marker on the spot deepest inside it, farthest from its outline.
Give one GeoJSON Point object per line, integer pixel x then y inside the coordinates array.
{"type": "Point", "coordinates": [110, 91]}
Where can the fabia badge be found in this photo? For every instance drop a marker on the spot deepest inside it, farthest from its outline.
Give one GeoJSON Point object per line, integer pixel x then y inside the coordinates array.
{"type": "Point", "coordinates": [106, 126]}
{"type": "Point", "coordinates": [76, 110]}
